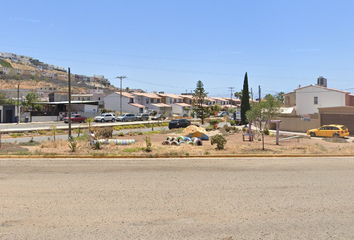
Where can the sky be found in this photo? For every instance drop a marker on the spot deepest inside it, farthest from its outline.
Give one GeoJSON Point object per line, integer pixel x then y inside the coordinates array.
{"type": "Point", "coordinates": [169, 45]}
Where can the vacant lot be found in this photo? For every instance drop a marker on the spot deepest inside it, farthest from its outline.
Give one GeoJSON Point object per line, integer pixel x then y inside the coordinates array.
{"type": "Point", "coordinates": [234, 146]}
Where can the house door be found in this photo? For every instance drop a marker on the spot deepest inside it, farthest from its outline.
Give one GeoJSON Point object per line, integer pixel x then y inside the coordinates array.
{"type": "Point", "coordinates": [8, 116]}
{"type": "Point", "coordinates": [0, 116]}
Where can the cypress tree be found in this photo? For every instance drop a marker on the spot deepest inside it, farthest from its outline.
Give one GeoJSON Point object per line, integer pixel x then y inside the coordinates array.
{"type": "Point", "coordinates": [245, 101]}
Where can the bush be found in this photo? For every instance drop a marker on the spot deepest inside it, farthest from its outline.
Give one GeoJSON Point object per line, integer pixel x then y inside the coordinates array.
{"type": "Point", "coordinates": [266, 131]}
{"type": "Point", "coordinates": [213, 121]}
{"type": "Point", "coordinates": [120, 134]}
{"type": "Point", "coordinates": [219, 140]}
{"type": "Point", "coordinates": [233, 122]}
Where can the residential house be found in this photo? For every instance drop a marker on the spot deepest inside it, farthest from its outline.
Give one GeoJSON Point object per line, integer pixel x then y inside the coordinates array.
{"type": "Point", "coordinates": [153, 101]}
{"type": "Point", "coordinates": [316, 105]}
{"type": "Point", "coordinates": [82, 97]}
{"type": "Point", "coordinates": [188, 99]}
{"type": "Point", "coordinates": [312, 97]}
{"type": "Point", "coordinates": [28, 72]}
{"type": "Point", "coordinates": [113, 102]}
{"type": "Point", "coordinates": [176, 102]}
{"type": "Point", "coordinates": [43, 92]}
{"type": "Point", "coordinates": [4, 70]}
{"type": "Point", "coordinates": [97, 95]}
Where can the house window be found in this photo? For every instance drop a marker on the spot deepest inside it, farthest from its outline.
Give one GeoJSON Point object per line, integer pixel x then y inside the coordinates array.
{"type": "Point", "coordinates": [147, 101]}
{"type": "Point", "coordinates": [78, 98]}
{"type": "Point", "coordinates": [170, 100]}
{"type": "Point", "coordinates": [315, 100]}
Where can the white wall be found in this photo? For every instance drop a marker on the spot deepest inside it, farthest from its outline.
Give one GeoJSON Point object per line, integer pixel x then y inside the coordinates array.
{"type": "Point", "coordinates": [326, 98]}
{"type": "Point", "coordinates": [112, 102]}
{"type": "Point", "coordinates": [90, 108]}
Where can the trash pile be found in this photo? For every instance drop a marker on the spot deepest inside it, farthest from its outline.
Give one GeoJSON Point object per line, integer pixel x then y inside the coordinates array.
{"type": "Point", "coordinates": [191, 135]}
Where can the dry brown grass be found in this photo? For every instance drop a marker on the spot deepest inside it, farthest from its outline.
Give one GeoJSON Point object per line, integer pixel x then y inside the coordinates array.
{"type": "Point", "coordinates": [234, 146]}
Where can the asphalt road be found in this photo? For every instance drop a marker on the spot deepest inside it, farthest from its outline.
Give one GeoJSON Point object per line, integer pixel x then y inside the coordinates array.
{"type": "Point", "coordinates": [250, 198]}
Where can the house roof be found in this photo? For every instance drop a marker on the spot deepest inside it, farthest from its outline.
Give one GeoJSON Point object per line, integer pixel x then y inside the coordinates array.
{"type": "Point", "coordinates": [171, 95]}
{"type": "Point", "coordinates": [317, 86]}
{"type": "Point", "coordinates": [137, 105]}
{"type": "Point", "coordinates": [148, 95]}
{"type": "Point", "coordinates": [186, 96]}
{"type": "Point", "coordinates": [161, 105]}
{"type": "Point", "coordinates": [183, 104]}
{"type": "Point", "coordinates": [126, 94]}
{"type": "Point", "coordinates": [219, 98]}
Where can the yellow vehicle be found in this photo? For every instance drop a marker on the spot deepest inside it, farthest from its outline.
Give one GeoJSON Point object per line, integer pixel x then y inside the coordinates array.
{"type": "Point", "coordinates": [331, 130]}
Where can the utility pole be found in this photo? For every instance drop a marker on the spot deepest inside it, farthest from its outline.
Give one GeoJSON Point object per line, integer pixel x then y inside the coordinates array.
{"type": "Point", "coordinates": [18, 103]}
{"type": "Point", "coordinates": [231, 89]}
{"type": "Point", "coordinates": [259, 92]}
{"type": "Point", "coordinates": [121, 78]}
{"type": "Point", "coordinates": [69, 113]}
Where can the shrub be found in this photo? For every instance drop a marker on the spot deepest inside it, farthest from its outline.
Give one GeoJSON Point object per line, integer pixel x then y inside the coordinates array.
{"type": "Point", "coordinates": [219, 140]}
{"type": "Point", "coordinates": [120, 134]}
{"type": "Point", "coordinates": [233, 122]}
{"type": "Point", "coordinates": [140, 133]}
{"type": "Point", "coordinates": [213, 121]}
{"type": "Point", "coordinates": [148, 144]}
{"type": "Point", "coordinates": [266, 131]}
{"type": "Point", "coordinates": [73, 146]}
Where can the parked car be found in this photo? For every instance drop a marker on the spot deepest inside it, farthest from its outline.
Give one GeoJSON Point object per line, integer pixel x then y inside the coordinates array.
{"type": "Point", "coordinates": [75, 118]}
{"type": "Point", "coordinates": [142, 117]}
{"type": "Point", "coordinates": [105, 117]}
{"type": "Point", "coordinates": [126, 117]}
{"type": "Point", "coordinates": [222, 114]}
{"type": "Point", "coordinates": [183, 115]}
{"type": "Point", "coordinates": [158, 117]}
{"type": "Point", "coordinates": [331, 130]}
{"type": "Point", "coordinates": [178, 123]}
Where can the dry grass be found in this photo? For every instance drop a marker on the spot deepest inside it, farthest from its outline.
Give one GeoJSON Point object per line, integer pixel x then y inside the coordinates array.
{"type": "Point", "coordinates": [234, 146]}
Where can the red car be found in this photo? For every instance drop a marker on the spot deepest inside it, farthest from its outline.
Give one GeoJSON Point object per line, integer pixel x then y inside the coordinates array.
{"type": "Point", "coordinates": [75, 118]}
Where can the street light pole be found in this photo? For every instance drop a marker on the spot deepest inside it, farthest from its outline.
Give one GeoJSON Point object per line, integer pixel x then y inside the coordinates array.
{"type": "Point", "coordinates": [121, 78]}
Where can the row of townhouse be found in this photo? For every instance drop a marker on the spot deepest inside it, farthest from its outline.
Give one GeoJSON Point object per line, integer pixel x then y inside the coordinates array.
{"type": "Point", "coordinates": [315, 105]}
{"type": "Point", "coordinates": [30, 61]}
{"type": "Point", "coordinates": [161, 103]}
{"type": "Point", "coordinates": [29, 73]}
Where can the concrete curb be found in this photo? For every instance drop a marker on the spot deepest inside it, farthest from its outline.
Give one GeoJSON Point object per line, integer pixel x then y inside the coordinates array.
{"type": "Point", "coordinates": [164, 156]}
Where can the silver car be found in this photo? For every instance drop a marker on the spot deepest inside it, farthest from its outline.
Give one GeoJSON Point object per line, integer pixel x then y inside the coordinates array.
{"type": "Point", "coordinates": [126, 117]}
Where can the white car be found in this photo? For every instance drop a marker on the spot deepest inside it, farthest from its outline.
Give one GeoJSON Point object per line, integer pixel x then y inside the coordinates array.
{"type": "Point", "coordinates": [105, 117]}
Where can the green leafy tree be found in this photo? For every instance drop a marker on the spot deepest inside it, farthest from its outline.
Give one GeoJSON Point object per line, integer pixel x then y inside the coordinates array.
{"type": "Point", "coordinates": [199, 99]}
{"type": "Point", "coordinates": [245, 101]}
{"type": "Point", "coordinates": [215, 108]}
{"type": "Point", "coordinates": [279, 96]}
{"type": "Point", "coordinates": [238, 94]}
{"type": "Point", "coordinates": [3, 99]}
{"type": "Point", "coordinates": [262, 112]}
{"type": "Point", "coordinates": [31, 97]}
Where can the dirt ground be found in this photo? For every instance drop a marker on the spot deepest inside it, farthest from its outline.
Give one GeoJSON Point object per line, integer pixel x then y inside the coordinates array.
{"type": "Point", "coordinates": [235, 146]}
{"type": "Point", "coordinates": [208, 198]}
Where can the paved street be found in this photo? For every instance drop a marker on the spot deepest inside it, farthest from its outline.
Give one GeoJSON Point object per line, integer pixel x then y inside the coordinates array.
{"type": "Point", "coordinates": [250, 198]}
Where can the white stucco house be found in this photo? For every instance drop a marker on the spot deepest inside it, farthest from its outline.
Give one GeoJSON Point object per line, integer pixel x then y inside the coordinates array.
{"type": "Point", "coordinates": [310, 98]}
{"type": "Point", "coordinates": [176, 102]}
{"type": "Point", "coordinates": [129, 104]}
{"type": "Point", "coordinates": [153, 101]}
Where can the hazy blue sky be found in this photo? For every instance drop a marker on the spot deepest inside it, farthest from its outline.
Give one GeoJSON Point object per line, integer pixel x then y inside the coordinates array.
{"type": "Point", "coordinates": [169, 45]}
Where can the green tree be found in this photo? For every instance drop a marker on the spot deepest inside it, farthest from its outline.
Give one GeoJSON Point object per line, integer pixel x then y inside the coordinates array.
{"type": "Point", "coordinates": [245, 101]}
{"type": "Point", "coordinates": [262, 112]}
{"type": "Point", "coordinates": [31, 97]}
{"type": "Point", "coordinates": [3, 99]}
{"type": "Point", "coordinates": [215, 108]}
{"type": "Point", "coordinates": [279, 96]}
{"type": "Point", "coordinates": [238, 94]}
{"type": "Point", "coordinates": [199, 99]}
